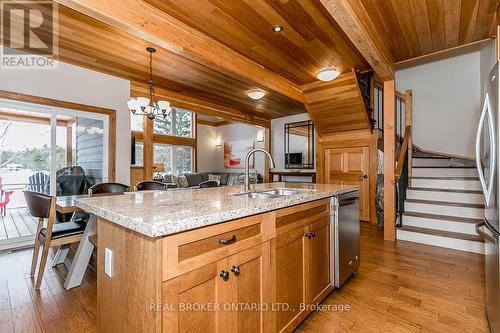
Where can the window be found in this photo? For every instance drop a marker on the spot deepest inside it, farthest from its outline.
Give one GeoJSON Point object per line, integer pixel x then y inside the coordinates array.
{"type": "Point", "coordinates": [175, 159]}
{"type": "Point", "coordinates": [179, 123]}
{"type": "Point", "coordinates": [173, 140]}
{"type": "Point", "coordinates": [139, 154]}
{"type": "Point", "coordinates": [136, 123]}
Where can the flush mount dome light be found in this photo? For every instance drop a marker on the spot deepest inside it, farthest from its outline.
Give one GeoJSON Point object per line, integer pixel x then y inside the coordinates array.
{"type": "Point", "coordinates": [256, 93]}
{"type": "Point", "coordinates": [328, 74]}
{"type": "Point", "coordinates": [277, 28]}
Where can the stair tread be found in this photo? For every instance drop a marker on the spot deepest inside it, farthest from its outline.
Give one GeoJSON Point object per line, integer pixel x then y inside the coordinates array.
{"type": "Point", "coordinates": [443, 217]}
{"type": "Point", "coordinates": [443, 233]}
{"type": "Point", "coordinates": [444, 190]}
{"type": "Point", "coordinates": [447, 178]}
{"type": "Point", "coordinates": [445, 203]}
{"type": "Point", "coordinates": [432, 157]}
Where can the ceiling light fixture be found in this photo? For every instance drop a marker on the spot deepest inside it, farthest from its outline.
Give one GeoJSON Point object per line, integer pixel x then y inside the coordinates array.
{"type": "Point", "coordinates": [277, 28]}
{"type": "Point", "coordinates": [149, 106]}
{"type": "Point", "coordinates": [256, 93]}
{"type": "Point", "coordinates": [328, 74]}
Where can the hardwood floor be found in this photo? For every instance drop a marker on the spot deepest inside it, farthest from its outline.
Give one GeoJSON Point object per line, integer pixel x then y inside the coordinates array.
{"type": "Point", "coordinates": [403, 287]}
{"type": "Point", "coordinates": [407, 287]}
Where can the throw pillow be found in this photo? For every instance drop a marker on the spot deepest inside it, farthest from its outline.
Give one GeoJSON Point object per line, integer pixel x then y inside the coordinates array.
{"type": "Point", "coordinates": [214, 177]}
{"type": "Point", "coordinates": [175, 180]}
{"type": "Point", "coordinates": [233, 180]}
{"type": "Point", "coordinates": [183, 182]}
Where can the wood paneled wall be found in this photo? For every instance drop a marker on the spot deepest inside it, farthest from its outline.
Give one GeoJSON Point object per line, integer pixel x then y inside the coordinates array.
{"type": "Point", "coordinates": [336, 106]}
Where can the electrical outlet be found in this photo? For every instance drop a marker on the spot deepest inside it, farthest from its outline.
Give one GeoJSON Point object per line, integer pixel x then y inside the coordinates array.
{"type": "Point", "coordinates": [108, 262]}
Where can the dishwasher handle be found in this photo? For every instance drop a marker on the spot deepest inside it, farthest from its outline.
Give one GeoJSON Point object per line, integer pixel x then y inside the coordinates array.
{"type": "Point", "coordinates": [348, 202]}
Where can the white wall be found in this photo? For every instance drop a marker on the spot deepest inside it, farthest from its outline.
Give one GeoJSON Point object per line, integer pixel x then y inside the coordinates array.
{"type": "Point", "coordinates": [211, 158]}
{"type": "Point", "coordinates": [79, 85]}
{"type": "Point", "coordinates": [446, 103]}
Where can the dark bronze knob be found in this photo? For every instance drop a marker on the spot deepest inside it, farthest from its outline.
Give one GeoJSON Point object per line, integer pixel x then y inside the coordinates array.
{"type": "Point", "coordinates": [224, 275]}
{"type": "Point", "coordinates": [365, 176]}
{"type": "Point", "coordinates": [308, 234]}
{"type": "Point", "coordinates": [313, 233]}
{"type": "Point", "coordinates": [235, 270]}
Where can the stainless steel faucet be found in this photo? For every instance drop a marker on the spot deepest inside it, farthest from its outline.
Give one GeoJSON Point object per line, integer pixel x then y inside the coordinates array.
{"type": "Point", "coordinates": [247, 163]}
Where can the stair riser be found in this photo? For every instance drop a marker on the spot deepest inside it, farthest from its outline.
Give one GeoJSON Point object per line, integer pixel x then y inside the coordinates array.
{"type": "Point", "coordinates": [464, 228]}
{"type": "Point", "coordinates": [476, 213]}
{"type": "Point", "coordinates": [447, 184]}
{"type": "Point", "coordinates": [443, 172]}
{"type": "Point", "coordinates": [450, 243]}
{"type": "Point", "coordinates": [437, 162]}
{"type": "Point", "coordinates": [445, 196]}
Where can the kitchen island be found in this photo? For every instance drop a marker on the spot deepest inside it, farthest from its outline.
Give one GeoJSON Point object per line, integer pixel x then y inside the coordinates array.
{"type": "Point", "coordinates": [213, 259]}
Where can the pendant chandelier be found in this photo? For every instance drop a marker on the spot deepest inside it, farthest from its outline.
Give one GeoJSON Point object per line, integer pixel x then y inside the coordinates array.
{"type": "Point", "coordinates": [149, 106]}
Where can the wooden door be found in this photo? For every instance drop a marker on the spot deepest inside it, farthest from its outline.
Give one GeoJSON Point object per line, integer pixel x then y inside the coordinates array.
{"type": "Point", "coordinates": [289, 277]}
{"type": "Point", "coordinates": [350, 166]}
{"type": "Point", "coordinates": [248, 289]}
{"type": "Point", "coordinates": [187, 293]}
{"type": "Point", "coordinates": [318, 263]}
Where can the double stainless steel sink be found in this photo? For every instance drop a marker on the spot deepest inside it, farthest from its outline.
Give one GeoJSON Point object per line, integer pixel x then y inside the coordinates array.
{"type": "Point", "coordinates": [269, 194]}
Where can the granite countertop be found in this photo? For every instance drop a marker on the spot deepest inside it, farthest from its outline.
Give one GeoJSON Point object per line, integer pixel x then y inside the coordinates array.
{"type": "Point", "coordinates": [161, 213]}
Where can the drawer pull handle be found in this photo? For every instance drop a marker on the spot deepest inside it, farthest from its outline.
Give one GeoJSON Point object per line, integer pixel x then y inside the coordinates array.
{"type": "Point", "coordinates": [236, 270]}
{"type": "Point", "coordinates": [224, 275]}
{"type": "Point", "coordinates": [228, 241]}
{"type": "Point", "coordinates": [310, 234]}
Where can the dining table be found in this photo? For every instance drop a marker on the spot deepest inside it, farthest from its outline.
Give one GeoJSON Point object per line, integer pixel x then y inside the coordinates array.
{"type": "Point", "coordinates": [67, 204]}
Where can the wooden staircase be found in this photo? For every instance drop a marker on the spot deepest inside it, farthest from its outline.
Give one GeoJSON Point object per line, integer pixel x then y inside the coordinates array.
{"type": "Point", "coordinates": [443, 204]}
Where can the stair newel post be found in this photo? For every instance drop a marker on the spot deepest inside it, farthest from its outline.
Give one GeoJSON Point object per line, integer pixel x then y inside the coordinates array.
{"type": "Point", "coordinates": [389, 160]}
{"type": "Point", "coordinates": [409, 123]}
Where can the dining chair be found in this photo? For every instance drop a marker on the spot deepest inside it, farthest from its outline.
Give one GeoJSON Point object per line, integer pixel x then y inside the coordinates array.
{"type": "Point", "coordinates": [209, 183]}
{"type": "Point", "coordinates": [43, 206]}
{"type": "Point", "coordinates": [146, 185]}
{"type": "Point", "coordinates": [103, 188]}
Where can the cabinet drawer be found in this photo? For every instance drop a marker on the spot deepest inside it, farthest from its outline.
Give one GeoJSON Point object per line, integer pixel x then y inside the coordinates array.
{"type": "Point", "coordinates": [190, 250]}
{"type": "Point", "coordinates": [289, 219]}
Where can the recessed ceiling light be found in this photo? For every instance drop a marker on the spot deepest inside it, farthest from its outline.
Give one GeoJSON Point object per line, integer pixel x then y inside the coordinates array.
{"type": "Point", "coordinates": [256, 93]}
{"type": "Point", "coordinates": [328, 74]}
{"type": "Point", "coordinates": [277, 28]}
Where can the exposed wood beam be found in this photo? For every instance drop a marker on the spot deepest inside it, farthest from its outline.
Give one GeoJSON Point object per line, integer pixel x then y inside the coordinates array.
{"type": "Point", "coordinates": [155, 26]}
{"type": "Point", "coordinates": [212, 123]}
{"type": "Point", "coordinates": [353, 19]}
{"type": "Point", "coordinates": [201, 106]}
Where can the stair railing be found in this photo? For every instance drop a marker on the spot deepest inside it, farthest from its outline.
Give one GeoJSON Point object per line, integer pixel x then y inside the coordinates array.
{"type": "Point", "coordinates": [401, 176]}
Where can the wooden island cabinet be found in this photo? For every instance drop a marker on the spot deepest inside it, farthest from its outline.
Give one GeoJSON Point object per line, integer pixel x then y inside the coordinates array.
{"type": "Point", "coordinates": [253, 274]}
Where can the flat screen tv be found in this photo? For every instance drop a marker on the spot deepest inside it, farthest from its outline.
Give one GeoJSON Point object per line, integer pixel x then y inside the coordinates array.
{"type": "Point", "coordinates": [294, 158]}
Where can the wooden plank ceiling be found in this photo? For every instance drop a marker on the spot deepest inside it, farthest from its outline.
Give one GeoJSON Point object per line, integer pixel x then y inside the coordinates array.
{"type": "Point", "coordinates": [414, 28]}
{"type": "Point", "coordinates": [310, 41]}
{"type": "Point", "coordinates": [213, 51]}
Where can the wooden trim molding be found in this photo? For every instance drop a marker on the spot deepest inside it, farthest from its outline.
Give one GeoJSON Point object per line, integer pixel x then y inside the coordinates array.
{"type": "Point", "coordinates": [200, 106]}
{"type": "Point", "coordinates": [389, 157]}
{"type": "Point", "coordinates": [80, 107]}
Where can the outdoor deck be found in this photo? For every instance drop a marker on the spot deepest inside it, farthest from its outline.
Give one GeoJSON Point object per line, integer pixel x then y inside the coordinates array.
{"type": "Point", "coordinates": [17, 229]}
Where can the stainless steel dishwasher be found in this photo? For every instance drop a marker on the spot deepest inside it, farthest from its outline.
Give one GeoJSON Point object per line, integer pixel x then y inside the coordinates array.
{"type": "Point", "coordinates": [345, 236]}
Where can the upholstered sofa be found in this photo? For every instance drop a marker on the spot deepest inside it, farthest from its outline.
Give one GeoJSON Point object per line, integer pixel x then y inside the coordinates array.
{"type": "Point", "coordinates": [194, 179]}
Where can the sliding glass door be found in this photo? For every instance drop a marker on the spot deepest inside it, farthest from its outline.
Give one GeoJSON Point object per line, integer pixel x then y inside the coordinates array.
{"type": "Point", "coordinates": [62, 152]}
